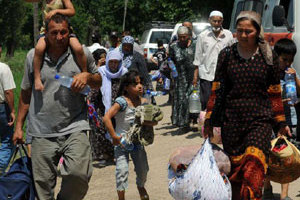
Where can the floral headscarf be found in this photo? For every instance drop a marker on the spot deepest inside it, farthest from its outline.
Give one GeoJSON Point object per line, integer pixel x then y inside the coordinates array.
{"type": "Point", "coordinates": [127, 57]}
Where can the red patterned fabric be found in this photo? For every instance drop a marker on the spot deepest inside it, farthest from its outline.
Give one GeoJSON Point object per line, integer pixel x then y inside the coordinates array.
{"type": "Point", "coordinates": [248, 174]}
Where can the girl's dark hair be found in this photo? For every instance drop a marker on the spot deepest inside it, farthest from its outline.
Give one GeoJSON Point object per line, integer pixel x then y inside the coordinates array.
{"type": "Point", "coordinates": [127, 79]}
{"type": "Point", "coordinates": [97, 54]}
{"type": "Point", "coordinates": [285, 46]}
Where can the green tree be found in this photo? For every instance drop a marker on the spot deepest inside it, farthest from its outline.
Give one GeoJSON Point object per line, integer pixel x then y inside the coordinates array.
{"type": "Point", "coordinates": [13, 16]}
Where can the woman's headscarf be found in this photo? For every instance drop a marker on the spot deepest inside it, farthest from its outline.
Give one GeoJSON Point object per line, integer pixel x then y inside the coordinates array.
{"type": "Point", "coordinates": [263, 45]}
{"type": "Point", "coordinates": [127, 57]}
{"type": "Point", "coordinates": [107, 75]}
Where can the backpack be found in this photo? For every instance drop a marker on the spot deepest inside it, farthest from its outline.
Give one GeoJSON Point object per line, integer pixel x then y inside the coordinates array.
{"type": "Point", "coordinates": [17, 183]}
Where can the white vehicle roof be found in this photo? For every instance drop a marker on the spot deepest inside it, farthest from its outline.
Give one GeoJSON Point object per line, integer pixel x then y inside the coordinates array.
{"type": "Point", "coordinates": [198, 27]}
{"type": "Point", "coordinates": [154, 34]}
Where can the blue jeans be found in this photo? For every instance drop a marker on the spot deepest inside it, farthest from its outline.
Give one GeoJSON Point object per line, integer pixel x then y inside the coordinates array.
{"type": "Point", "coordinates": [6, 133]}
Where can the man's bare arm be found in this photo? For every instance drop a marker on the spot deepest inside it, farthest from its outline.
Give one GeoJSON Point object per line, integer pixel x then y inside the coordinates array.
{"type": "Point", "coordinates": [24, 102]}
{"type": "Point", "coordinates": [9, 97]}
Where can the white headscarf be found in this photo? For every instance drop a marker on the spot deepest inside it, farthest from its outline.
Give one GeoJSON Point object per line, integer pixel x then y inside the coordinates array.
{"type": "Point", "coordinates": [107, 75]}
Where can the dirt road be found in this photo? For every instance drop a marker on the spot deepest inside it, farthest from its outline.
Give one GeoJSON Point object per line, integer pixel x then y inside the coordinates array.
{"type": "Point", "coordinates": [102, 184]}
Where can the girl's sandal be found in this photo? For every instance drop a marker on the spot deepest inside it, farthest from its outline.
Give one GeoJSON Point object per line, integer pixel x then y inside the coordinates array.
{"type": "Point", "coordinates": [145, 197]}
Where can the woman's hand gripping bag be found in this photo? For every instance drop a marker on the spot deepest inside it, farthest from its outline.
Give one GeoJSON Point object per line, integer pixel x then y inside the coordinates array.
{"type": "Point", "coordinates": [216, 139]}
{"type": "Point", "coordinates": [284, 161]}
{"type": "Point", "coordinates": [202, 179]}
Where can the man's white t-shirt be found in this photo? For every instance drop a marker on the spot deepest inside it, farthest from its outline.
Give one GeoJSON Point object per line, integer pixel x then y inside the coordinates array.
{"type": "Point", "coordinates": [6, 81]}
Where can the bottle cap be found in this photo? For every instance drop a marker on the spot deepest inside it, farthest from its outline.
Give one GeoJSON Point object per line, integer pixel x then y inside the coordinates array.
{"type": "Point", "coordinates": [148, 92]}
{"type": "Point", "coordinates": [169, 59]}
{"type": "Point", "coordinates": [57, 76]}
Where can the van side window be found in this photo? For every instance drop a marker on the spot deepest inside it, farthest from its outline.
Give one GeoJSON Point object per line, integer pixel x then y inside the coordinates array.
{"type": "Point", "coordinates": [289, 10]}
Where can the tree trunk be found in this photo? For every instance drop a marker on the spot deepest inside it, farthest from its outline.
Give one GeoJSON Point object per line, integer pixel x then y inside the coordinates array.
{"type": "Point", "coordinates": [11, 46]}
{"type": "Point", "coordinates": [35, 22]}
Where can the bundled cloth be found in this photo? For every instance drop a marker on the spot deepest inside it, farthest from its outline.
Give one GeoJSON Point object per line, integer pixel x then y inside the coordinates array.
{"type": "Point", "coordinates": [143, 134]}
{"type": "Point", "coordinates": [284, 161]}
{"type": "Point", "coordinates": [204, 178]}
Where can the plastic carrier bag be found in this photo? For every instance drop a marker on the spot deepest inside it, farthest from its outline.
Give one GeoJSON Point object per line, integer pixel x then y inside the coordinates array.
{"type": "Point", "coordinates": [202, 179]}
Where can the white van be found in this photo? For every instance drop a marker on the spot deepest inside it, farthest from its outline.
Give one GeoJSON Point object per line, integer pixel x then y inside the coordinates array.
{"type": "Point", "coordinates": [149, 42]}
{"type": "Point", "coordinates": [280, 19]}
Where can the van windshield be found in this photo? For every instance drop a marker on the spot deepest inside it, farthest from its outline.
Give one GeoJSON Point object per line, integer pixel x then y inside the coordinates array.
{"type": "Point", "coordinates": [254, 5]}
{"type": "Point", "coordinates": [160, 35]}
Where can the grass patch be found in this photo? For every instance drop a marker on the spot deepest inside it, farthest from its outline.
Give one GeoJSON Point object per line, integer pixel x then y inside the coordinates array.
{"type": "Point", "coordinates": [16, 65]}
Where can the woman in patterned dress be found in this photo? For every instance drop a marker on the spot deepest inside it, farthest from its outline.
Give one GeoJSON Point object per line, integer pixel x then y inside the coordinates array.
{"type": "Point", "coordinates": [182, 53]}
{"type": "Point", "coordinates": [247, 88]}
{"type": "Point", "coordinates": [102, 148]}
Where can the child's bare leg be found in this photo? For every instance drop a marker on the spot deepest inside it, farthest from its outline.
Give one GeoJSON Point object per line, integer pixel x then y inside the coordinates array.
{"type": "Point", "coordinates": [79, 53]}
{"type": "Point", "coordinates": [121, 194]}
{"type": "Point", "coordinates": [37, 63]}
{"type": "Point", "coordinates": [143, 193]}
{"type": "Point", "coordinates": [284, 190]}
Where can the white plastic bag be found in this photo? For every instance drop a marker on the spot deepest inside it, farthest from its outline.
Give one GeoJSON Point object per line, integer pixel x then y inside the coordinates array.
{"type": "Point", "coordinates": [202, 179]}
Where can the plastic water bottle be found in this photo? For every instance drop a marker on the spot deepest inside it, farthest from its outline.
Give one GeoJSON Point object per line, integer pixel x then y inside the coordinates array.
{"type": "Point", "coordinates": [167, 84]}
{"type": "Point", "coordinates": [194, 102]}
{"type": "Point", "coordinates": [173, 68]}
{"type": "Point", "coordinates": [290, 88]}
{"type": "Point", "coordinates": [156, 75]}
{"type": "Point", "coordinates": [126, 145]}
{"type": "Point", "coordinates": [157, 93]}
{"type": "Point", "coordinates": [67, 82]}
{"type": "Point", "coordinates": [148, 96]}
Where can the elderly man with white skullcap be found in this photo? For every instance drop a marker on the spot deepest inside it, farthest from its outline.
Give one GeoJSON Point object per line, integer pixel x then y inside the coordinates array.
{"type": "Point", "coordinates": [209, 43]}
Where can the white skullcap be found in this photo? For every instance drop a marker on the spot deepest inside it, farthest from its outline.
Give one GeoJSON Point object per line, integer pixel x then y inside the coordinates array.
{"type": "Point", "coordinates": [216, 13]}
{"type": "Point", "coordinates": [183, 30]}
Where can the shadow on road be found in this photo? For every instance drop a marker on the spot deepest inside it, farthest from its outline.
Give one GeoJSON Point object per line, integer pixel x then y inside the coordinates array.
{"type": "Point", "coordinates": [193, 135]}
{"type": "Point", "coordinates": [276, 197]}
{"type": "Point", "coordinates": [166, 126]}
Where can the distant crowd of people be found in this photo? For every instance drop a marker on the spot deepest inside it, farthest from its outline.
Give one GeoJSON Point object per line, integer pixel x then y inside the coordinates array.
{"type": "Point", "coordinates": [241, 83]}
